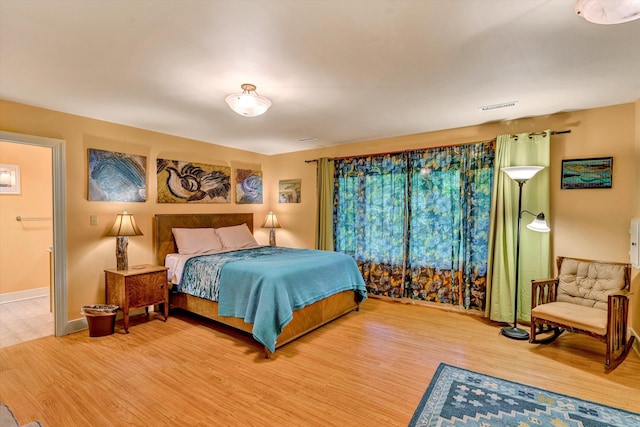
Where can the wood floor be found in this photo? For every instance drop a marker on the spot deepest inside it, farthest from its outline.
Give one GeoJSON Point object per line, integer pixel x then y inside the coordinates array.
{"type": "Point", "coordinates": [368, 368]}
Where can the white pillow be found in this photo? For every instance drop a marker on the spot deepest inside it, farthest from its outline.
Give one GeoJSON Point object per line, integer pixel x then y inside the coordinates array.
{"type": "Point", "coordinates": [236, 237]}
{"type": "Point", "coordinates": [196, 240]}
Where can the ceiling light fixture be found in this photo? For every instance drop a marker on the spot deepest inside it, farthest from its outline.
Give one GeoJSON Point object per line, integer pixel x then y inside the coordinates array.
{"type": "Point", "coordinates": [248, 103]}
{"type": "Point", "coordinates": [608, 11]}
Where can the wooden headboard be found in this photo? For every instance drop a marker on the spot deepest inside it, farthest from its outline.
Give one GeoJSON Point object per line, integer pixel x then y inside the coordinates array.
{"type": "Point", "coordinates": [163, 241]}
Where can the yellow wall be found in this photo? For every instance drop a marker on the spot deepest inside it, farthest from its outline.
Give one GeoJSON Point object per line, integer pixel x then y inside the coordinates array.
{"type": "Point", "coordinates": [592, 224]}
{"type": "Point", "coordinates": [89, 252]}
{"type": "Point", "coordinates": [585, 223]}
{"type": "Point", "coordinates": [24, 259]}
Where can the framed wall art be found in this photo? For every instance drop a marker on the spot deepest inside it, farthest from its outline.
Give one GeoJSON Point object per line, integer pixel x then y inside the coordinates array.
{"type": "Point", "coordinates": [9, 179]}
{"type": "Point", "coordinates": [117, 177]}
{"type": "Point", "coordinates": [289, 191]}
{"type": "Point", "coordinates": [189, 182]}
{"type": "Point", "coordinates": [248, 186]}
{"type": "Point", "coordinates": [586, 173]}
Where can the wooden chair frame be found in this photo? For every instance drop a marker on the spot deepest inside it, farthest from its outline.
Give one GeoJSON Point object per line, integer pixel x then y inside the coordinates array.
{"type": "Point", "coordinates": [615, 338]}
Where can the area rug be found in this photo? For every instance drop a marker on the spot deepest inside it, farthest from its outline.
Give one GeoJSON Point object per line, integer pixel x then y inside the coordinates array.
{"type": "Point", "coordinates": [7, 419]}
{"type": "Point", "coordinates": [459, 397]}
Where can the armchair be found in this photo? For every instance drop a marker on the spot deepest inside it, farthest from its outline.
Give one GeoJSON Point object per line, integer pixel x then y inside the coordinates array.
{"type": "Point", "coordinates": [588, 297]}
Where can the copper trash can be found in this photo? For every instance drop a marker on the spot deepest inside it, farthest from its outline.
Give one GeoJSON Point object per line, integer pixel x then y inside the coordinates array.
{"type": "Point", "coordinates": [101, 319]}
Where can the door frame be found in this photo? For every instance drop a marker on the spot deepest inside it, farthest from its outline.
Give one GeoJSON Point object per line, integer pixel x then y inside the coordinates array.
{"type": "Point", "coordinates": [58, 160]}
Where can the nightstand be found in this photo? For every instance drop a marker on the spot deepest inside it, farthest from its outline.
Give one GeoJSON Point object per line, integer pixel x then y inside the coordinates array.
{"type": "Point", "coordinates": [138, 287]}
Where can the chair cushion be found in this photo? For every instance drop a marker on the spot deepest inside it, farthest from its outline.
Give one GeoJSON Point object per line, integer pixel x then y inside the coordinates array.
{"type": "Point", "coordinates": [589, 283]}
{"type": "Point", "coordinates": [573, 315]}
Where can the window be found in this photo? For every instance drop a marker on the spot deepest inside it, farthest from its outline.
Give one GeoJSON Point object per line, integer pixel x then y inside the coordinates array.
{"type": "Point", "coordinates": [417, 222]}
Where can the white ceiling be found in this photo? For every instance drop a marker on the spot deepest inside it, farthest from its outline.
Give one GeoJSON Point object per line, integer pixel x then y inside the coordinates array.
{"type": "Point", "coordinates": [340, 71]}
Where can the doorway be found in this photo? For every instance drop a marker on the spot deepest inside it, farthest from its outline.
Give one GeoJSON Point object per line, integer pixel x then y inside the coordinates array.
{"type": "Point", "coordinates": [57, 302]}
{"type": "Point", "coordinates": [26, 225]}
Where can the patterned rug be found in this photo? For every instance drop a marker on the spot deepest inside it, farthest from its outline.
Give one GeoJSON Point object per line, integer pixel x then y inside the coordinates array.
{"type": "Point", "coordinates": [458, 397]}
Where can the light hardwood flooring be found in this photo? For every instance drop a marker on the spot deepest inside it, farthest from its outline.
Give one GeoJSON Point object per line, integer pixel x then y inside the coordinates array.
{"type": "Point", "coordinates": [368, 368]}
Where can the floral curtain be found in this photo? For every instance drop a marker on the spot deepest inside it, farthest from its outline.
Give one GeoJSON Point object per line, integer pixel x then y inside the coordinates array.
{"type": "Point", "coordinates": [450, 196]}
{"type": "Point", "coordinates": [370, 218]}
{"type": "Point", "coordinates": [417, 222]}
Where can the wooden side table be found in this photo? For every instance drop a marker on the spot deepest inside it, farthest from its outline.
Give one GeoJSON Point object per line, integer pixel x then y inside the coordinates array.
{"type": "Point", "coordinates": [138, 287]}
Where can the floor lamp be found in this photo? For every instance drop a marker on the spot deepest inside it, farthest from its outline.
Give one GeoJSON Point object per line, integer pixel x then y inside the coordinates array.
{"type": "Point", "coordinates": [522, 174]}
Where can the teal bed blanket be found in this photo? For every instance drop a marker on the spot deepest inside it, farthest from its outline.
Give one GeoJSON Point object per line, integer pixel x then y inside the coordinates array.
{"type": "Point", "coordinates": [265, 285]}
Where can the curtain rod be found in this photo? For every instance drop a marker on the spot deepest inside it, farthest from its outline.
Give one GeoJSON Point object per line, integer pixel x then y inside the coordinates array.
{"type": "Point", "coordinates": [395, 152]}
{"type": "Point", "coordinates": [553, 132]}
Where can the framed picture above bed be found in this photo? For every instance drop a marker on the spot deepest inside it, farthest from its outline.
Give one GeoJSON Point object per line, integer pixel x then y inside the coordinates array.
{"type": "Point", "coordinates": [190, 182]}
{"type": "Point", "coordinates": [586, 173]}
{"type": "Point", "coordinates": [248, 186]}
{"type": "Point", "coordinates": [116, 177]}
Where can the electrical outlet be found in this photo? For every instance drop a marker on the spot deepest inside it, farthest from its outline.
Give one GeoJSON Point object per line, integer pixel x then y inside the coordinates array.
{"type": "Point", "coordinates": [93, 220]}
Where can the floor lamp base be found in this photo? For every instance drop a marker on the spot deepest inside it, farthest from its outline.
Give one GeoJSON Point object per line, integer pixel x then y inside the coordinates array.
{"type": "Point", "coordinates": [515, 333]}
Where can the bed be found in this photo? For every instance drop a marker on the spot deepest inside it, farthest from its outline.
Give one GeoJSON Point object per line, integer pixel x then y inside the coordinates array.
{"type": "Point", "coordinates": [303, 318]}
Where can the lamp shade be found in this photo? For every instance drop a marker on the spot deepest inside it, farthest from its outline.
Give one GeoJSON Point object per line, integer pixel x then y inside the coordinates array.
{"type": "Point", "coordinates": [539, 224]}
{"type": "Point", "coordinates": [271, 221]}
{"type": "Point", "coordinates": [522, 173]}
{"type": "Point", "coordinates": [124, 225]}
{"type": "Point", "coordinates": [248, 103]}
{"type": "Point", "coordinates": [608, 11]}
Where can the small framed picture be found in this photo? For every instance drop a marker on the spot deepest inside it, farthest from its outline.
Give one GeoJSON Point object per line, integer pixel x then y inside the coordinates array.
{"type": "Point", "coordinates": [9, 179]}
{"type": "Point", "coordinates": [587, 173]}
{"type": "Point", "coordinates": [289, 191]}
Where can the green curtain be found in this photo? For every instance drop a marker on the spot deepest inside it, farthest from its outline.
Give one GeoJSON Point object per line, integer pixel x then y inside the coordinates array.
{"type": "Point", "coordinates": [324, 232]}
{"type": "Point", "coordinates": [519, 150]}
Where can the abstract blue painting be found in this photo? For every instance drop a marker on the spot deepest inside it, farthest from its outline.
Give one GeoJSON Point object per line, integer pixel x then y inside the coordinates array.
{"type": "Point", "coordinates": [117, 177]}
{"type": "Point", "coordinates": [248, 186]}
{"type": "Point", "coordinates": [587, 173]}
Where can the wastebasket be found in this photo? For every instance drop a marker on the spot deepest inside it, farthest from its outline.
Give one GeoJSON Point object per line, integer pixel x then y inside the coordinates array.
{"type": "Point", "coordinates": [101, 319]}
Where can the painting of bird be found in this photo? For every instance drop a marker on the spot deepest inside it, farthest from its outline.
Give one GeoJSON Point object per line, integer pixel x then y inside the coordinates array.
{"type": "Point", "coordinates": [187, 182]}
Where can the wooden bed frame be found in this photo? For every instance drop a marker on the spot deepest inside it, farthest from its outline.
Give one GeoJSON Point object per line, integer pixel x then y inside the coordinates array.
{"type": "Point", "coordinates": [304, 320]}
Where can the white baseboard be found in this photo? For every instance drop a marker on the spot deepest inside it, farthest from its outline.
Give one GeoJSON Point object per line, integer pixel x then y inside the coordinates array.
{"type": "Point", "coordinates": [23, 295]}
{"type": "Point", "coordinates": [76, 325]}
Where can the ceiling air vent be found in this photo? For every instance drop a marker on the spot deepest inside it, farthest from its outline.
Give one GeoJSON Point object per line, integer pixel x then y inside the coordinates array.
{"type": "Point", "coordinates": [498, 106]}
